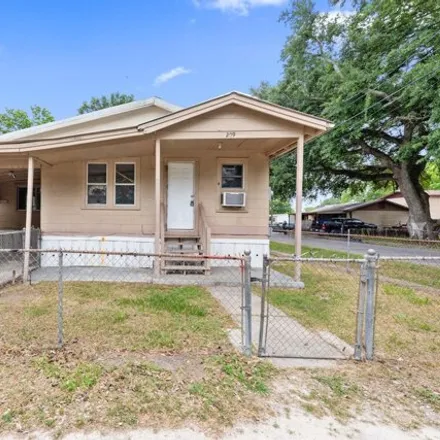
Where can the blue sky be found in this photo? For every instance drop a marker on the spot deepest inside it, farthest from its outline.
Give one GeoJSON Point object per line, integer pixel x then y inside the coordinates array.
{"type": "Point", "coordinates": [57, 54]}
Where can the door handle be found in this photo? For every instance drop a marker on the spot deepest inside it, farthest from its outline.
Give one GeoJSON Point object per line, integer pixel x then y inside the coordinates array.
{"type": "Point", "coordinates": [191, 203]}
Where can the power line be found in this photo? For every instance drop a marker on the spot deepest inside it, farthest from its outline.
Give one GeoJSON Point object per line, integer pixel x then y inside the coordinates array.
{"type": "Point", "coordinates": [390, 95]}
{"type": "Point", "coordinates": [386, 75]}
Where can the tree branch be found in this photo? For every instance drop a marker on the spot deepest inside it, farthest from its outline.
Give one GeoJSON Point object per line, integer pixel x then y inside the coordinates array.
{"type": "Point", "coordinates": [386, 160]}
{"type": "Point", "coordinates": [384, 96]}
{"type": "Point", "coordinates": [366, 174]}
{"type": "Point", "coordinates": [382, 135]}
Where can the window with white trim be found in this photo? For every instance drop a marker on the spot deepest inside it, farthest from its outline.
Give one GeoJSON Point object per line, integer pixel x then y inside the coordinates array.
{"type": "Point", "coordinates": [125, 184]}
{"type": "Point", "coordinates": [232, 176]}
{"type": "Point", "coordinates": [97, 184]}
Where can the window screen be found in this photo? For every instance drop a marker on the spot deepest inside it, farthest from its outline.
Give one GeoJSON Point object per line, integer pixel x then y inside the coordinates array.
{"type": "Point", "coordinates": [97, 183]}
{"type": "Point", "coordinates": [125, 184]}
{"type": "Point", "coordinates": [232, 176]}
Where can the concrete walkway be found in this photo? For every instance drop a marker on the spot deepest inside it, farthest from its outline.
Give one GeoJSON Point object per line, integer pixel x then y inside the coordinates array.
{"type": "Point", "coordinates": [285, 337]}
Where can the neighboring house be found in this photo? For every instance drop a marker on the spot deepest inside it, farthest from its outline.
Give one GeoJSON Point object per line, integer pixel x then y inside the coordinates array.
{"type": "Point", "coordinates": [382, 212]}
{"type": "Point", "coordinates": [149, 176]}
{"type": "Point", "coordinates": [388, 211]}
{"type": "Point", "coordinates": [434, 202]}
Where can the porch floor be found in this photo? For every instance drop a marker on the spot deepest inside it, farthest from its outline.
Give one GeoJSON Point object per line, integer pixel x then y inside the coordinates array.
{"type": "Point", "coordinates": [225, 276]}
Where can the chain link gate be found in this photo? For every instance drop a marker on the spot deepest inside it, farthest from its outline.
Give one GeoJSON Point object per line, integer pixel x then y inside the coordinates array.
{"type": "Point", "coordinates": [299, 315]}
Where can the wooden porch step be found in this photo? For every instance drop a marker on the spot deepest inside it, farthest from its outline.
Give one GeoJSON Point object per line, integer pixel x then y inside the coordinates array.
{"type": "Point", "coordinates": [185, 269]}
{"type": "Point", "coordinates": [185, 252]}
{"type": "Point", "coordinates": [184, 258]}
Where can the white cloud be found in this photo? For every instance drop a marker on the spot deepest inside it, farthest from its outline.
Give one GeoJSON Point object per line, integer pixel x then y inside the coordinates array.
{"type": "Point", "coordinates": [240, 7]}
{"type": "Point", "coordinates": [173, 73]}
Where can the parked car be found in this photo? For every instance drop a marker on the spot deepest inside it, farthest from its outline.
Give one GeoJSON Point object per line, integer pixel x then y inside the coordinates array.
{"type": "Point", "coordinates": [316, 225]}
{"type": "Point", "coordinates": [283, 227]}
{"type": "Point", "coordinates": [340, 225]}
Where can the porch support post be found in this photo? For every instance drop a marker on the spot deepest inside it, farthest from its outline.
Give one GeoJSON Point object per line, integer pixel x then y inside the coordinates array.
{"type": "Point", "coordinates": [299, 197]}
{"type": "Point", "coordinates": [158, 239]}
{"type": "Point", "coordinates": [27, 232]}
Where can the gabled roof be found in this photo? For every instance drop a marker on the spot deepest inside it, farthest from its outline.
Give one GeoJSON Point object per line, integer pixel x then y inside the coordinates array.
{"type": "Point", "coordinates": [68, 132]}
{"type": "Point", "coordinates": [373, 202]}
{"type": "Point", "coordinates": [242, 100]}
{"type": "Point", "coordinates": [338, 208]}
{"type": "Point", "coordinates": [88, 117]}
{"type": "Point", "coordinates": [341, 208]}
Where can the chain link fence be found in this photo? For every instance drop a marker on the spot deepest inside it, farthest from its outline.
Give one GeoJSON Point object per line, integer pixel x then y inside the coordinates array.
{"type": "Point", "coordinates": [93, 299]}
{"type": "Point", "coordinates": [324, 308]}
{"type": "Point", "coordinates": [373, 307]}
{"type": "Point", "coordinates": [408, 310]}
{"type": "Point", "coordinates": [374, 238]}
{"type": "Point", "coordinates": [313, 316]}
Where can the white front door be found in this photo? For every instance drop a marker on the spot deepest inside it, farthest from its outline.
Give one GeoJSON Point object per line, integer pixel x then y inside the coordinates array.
{"type": "Point", "coordinates": [180, 210]}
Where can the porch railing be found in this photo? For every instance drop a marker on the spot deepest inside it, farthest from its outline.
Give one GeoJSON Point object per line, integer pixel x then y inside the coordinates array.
{"type": "Point", "coordinates": [162, 227]}
{"type": "Point", "coordinates": [15, 239]}
{"type": "Point", "coordinates": [205, 233]}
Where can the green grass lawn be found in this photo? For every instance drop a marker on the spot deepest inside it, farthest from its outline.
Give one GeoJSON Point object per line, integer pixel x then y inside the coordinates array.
{"type": "Point", "coordinates": [135, 355]}
{"type": "Point", "coordinates": [407, 338]}
{"type": "Point", "coordinates": [309, 251]}
{"type": "Point", "coordinates": [423, 274]}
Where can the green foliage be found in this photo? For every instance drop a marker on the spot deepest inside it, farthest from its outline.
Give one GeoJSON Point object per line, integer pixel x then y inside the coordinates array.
{"type": "Point", "coordinates": [374, 73]}
{"type": "Point", "coordinates": [112, 100]}
{"type": "Point", "coordinates": [13, 119]}
{"type": "Point", "coordinates": [278, 206]}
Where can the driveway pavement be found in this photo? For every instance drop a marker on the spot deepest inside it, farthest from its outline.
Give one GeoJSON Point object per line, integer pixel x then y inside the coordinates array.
{"type": "Point", "coordinates": [358, 247]}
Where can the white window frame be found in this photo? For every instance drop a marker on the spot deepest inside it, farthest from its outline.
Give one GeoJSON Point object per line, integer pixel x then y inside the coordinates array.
{"type": "Point", "coordinates": [97, 205]}
{"type": "Point", "coordinates": [243, 175]}
{"type": "Point", "coordinates": [125, 205]}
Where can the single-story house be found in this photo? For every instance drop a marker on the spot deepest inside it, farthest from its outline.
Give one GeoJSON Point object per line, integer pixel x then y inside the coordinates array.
{"type": "Point", "coordinates": [382, 212]}
{"type": "Point", "coordinates": [434, 202]}
{"type": "Point", "coordinates": [150, 176]}
{"type": "Point", "coordinates": [386, 212]}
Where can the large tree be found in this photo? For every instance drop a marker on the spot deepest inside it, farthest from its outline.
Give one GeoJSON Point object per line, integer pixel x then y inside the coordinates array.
{"type": "Point", "coordinates": [104, 102]}
{"type": "Point", "coordinates": [13, 119]}
{"type": "Point", "coordinates": [375, 72]}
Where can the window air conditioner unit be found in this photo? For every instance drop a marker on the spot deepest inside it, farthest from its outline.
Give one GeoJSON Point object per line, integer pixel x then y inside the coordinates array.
{"type": "Point", "coordinates": [233, 199]}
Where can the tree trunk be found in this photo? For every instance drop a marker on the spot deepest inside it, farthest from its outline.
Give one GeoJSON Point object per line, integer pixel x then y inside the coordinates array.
{"type": "Point", "coordinates": [420, 224]}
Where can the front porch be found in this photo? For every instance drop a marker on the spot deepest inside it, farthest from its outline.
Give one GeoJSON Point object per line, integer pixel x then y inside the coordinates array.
{"type": "Point", "coordinates": [187, 182]}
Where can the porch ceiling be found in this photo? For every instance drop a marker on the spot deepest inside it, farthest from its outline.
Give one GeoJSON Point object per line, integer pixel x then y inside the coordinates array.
{"type": "Point", "coordinates": [265, 146]}
{"type": "Point", "coordinates": [16, 175]}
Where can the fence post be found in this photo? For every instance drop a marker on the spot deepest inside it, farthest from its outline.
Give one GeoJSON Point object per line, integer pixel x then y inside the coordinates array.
{"type": "Point", "coordinates": [60, 300]}
{"type": "Point", "coordinates": [247, 304]}
{"type": "Point", "coordinates": [261, 348]}
{"type": "Point", "coordinates": [360, 313]}
{"type": "Point", "coordinates": [370, 309]}
{"type": "Point", "coordinates": [348, 250]}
